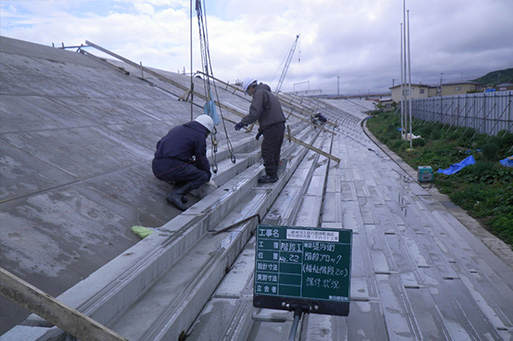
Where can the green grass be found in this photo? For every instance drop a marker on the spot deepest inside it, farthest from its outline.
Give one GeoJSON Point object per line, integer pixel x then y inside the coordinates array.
{"type": "Point", "coordinates": [484, 190]}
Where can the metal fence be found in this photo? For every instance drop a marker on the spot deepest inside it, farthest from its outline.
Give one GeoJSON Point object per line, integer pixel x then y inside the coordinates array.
{"type": "Point", "coordinates": [487, 113]}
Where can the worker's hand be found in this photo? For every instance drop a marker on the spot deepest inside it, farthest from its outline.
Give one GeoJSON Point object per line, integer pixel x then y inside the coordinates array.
{"type": "Point", "coordinates": [238, 126]}
{"type": "Point", "coordinates": [258, 136]}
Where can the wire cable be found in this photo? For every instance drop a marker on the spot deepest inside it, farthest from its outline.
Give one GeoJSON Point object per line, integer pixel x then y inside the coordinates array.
{"type": "Point", "coordinates": [206, 62]}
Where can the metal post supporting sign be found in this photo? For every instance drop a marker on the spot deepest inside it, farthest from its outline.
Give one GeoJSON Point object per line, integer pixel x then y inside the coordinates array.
{"type": "Point", "coordinates": [303, 268]}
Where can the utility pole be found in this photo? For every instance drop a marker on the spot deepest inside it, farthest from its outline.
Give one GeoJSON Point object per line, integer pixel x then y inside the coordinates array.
{"type": "Point", "coordinates": [439, 91]}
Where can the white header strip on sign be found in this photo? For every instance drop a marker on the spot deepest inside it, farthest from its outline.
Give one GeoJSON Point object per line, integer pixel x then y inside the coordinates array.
{"type": "Point", "coordinates": [325, 236]}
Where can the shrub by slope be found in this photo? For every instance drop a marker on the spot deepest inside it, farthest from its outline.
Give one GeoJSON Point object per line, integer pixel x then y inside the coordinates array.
{"type": "Point", "coordinates": [484, 190]}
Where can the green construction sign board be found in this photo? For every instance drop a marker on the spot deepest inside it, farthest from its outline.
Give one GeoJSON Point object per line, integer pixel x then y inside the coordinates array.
{"type": "Point", "coordinates": [303, 266]}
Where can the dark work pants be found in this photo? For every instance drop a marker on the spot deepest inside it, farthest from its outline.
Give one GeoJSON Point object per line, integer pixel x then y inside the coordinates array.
{"type": "Point", "coordinates": [179, 172]}
{"type": "Point", "coordinates": [271, 147]}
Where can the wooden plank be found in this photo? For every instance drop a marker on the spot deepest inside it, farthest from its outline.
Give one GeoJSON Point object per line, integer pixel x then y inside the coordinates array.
{"type": "Point", "coordinates": [300, 107]}
{"type": "Point", "coordinates": [317, 150]}
{"type": "Point", "coordinates": [151, 72]}
{"type": "Point", "coordinates": [68, 319]}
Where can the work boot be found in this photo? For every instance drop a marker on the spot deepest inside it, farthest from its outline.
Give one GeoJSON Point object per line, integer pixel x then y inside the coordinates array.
{"type": "Point", "coordinates": [268, 179]}
{"type": "Point", "coordinates": [178, 186]}
{"type": "Point", "coordinates": [176, 195]}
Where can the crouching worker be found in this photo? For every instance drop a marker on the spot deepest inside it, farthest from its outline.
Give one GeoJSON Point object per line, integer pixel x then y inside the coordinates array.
{"type": "Point", "coordinates": [321, 118]}
{"type": "Point", "coordinates": [181, 157]}
{"type": "Point", "coordinates": [266, 109]}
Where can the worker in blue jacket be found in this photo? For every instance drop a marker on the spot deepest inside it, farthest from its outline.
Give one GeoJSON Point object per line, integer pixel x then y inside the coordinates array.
{"type": "Point", "coordinates": [181, 158]}
{"type": "Point", "coordinates": [266, 109]}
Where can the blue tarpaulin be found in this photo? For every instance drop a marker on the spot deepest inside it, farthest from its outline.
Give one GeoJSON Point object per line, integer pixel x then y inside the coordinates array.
{"type": "Point", "coordinates": [455, 168]}
{"type": "Point", "coordinates": [507, 162]}
{"type": "Point", "coordinates": [210, 110]}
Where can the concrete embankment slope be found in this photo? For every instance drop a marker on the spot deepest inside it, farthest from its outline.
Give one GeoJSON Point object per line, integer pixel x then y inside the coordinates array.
{"type": "Point", "coordinates": [76, 141]}
{"type": "Point", "coordinates": [77, 137]}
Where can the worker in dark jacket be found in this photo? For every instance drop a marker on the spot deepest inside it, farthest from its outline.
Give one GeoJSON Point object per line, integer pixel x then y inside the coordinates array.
{"type": "Point", "coordinates": [321, 118]}
{"type": "Point", "coordinates": [266, 109]}
{"type": "Point", "coordinates": [181, 157]}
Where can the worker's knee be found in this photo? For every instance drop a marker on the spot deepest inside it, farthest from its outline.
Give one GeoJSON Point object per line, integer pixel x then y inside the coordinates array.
{"type": "Point", "coordinates": [201, 178]}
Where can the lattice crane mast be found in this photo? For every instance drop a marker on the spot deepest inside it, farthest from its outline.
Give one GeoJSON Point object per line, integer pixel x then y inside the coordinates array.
{"type": "Point", "coordinates": [287, 64]}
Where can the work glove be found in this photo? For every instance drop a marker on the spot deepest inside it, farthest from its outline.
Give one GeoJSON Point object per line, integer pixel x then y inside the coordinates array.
{"type": "Point", "coordinates": [212, 183]}
{"type": "Point", "coordinates": [238, 126]}
{"type": "Point", "coordinates": [258, 136]}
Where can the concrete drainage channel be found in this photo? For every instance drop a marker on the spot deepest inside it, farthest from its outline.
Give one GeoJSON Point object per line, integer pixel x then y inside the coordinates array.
{"type": "Point", "coordinates": [157, 288]}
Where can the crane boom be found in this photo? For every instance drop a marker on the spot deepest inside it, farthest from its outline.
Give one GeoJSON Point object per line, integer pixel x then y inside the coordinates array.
{"type": "Point", "coordinates": [287, 63]}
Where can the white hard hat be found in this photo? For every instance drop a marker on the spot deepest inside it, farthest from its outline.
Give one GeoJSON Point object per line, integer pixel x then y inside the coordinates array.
{"type": "Point", "coordinates": [247, 82]}
{"type": "Point", "coordinates": [206, 121]}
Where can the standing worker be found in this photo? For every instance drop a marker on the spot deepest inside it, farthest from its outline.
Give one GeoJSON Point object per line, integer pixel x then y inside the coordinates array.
{"type": "Point", "coordinates": [265, 108]}
{"type": "Point", "coordinates": [181, 157]}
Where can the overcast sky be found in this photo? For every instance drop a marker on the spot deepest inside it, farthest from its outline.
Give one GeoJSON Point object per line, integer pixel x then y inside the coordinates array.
{"type": "Point", "coordinates": [345, 46]}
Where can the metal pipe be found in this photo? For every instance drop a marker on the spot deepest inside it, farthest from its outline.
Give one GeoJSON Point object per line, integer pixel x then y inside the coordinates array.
{"type": "Point", "coordinates": [404, 67]}
{"type": "Point", "coordinates": [402, 85]}
{"type": "Point", "coordinates": [498, 119]}
{"type": "Point", "coordinates": [295, 324]}
{"type": "Point", "coordinates": [192, 77]}
{"type": "Point", "coordinates": [409, 80]}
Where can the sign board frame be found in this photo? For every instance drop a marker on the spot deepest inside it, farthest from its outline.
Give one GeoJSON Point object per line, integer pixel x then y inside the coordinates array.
{"type": "Point", "coordinates": [303, 267]}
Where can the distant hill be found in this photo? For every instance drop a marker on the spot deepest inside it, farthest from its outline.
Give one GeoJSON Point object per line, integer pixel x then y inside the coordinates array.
{"type": "Point", "coordinates": [496, 77]}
